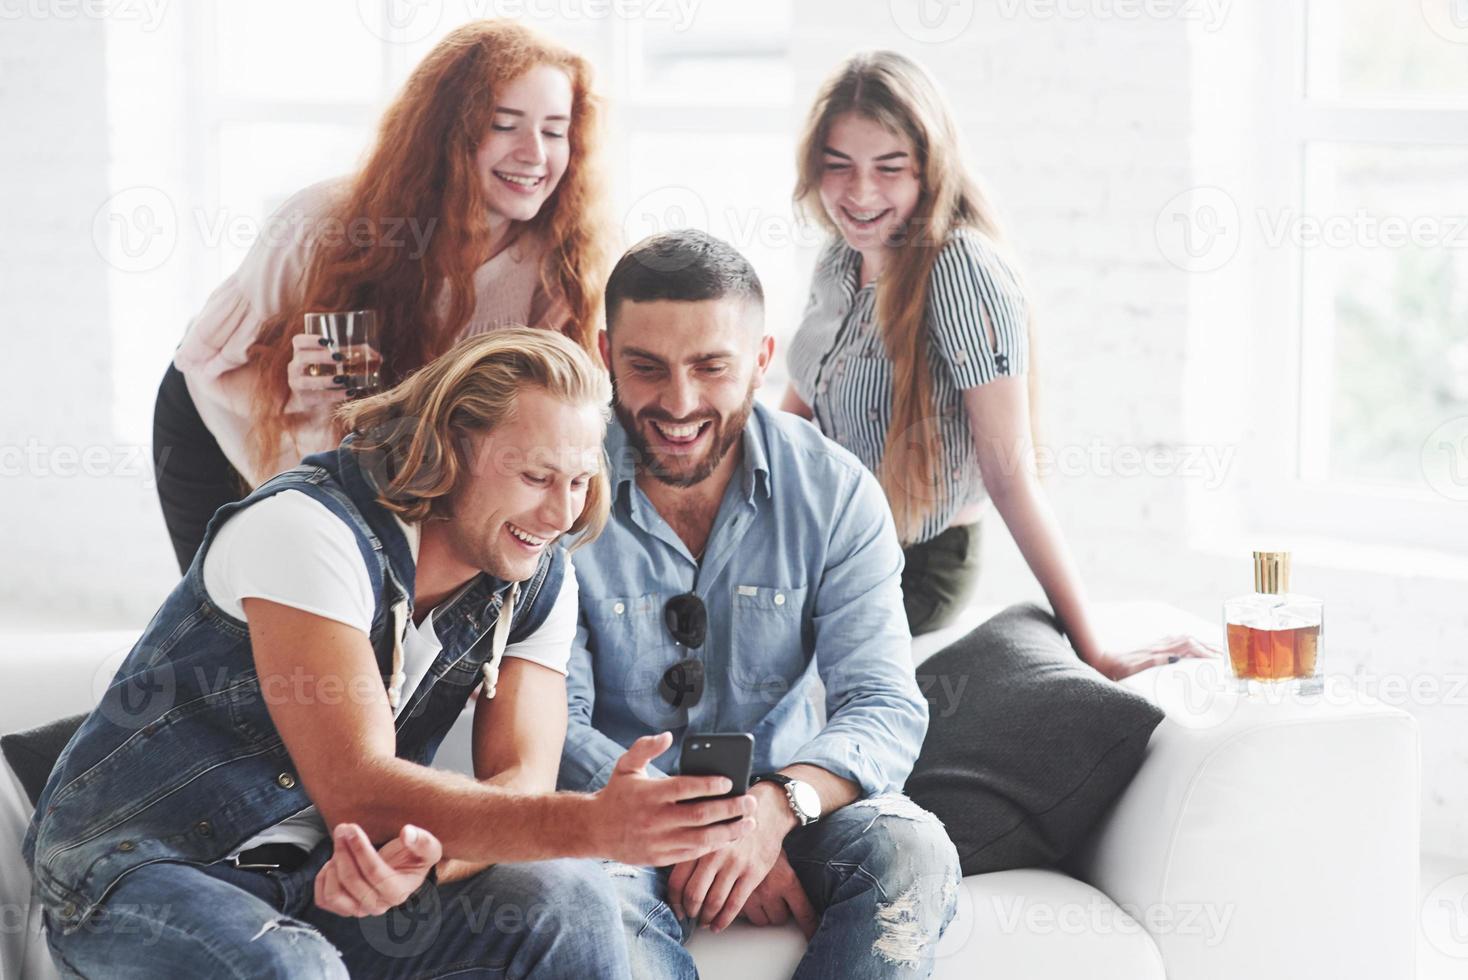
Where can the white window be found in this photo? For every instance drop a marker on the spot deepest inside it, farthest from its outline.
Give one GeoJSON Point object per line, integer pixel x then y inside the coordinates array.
{"type": "Point", "coordinates": [1358, 380]}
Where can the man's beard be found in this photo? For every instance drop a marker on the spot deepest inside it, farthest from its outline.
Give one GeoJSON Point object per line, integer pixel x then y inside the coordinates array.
{"type": "Point", "coordinates": [725, 435]}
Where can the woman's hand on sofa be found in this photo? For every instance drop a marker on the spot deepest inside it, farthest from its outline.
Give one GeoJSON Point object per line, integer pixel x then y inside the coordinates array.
{"type": "Point", "coordinates": [361, 880]}
{"type": "Point", "coordinates": [1169, 649]}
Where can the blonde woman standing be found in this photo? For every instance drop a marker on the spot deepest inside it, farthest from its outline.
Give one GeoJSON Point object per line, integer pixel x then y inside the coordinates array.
{"type": "Point", "coordinates": [915, 351]}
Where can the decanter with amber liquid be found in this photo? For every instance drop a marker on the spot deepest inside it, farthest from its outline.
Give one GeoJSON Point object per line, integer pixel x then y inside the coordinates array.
{"type": "Point", "coordinates": [1274, 635]}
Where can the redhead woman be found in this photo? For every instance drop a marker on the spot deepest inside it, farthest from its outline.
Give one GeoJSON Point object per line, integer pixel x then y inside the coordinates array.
{"type": "Point", "coordinates": [915, 349]}
{"type": "Point", "coordinates": [477, 208]}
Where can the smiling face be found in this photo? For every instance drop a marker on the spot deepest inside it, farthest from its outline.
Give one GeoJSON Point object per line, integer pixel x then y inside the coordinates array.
{"type": "Point", "coordinates": [869, 181]}
{"type": "Point", "coordinates": [685, 374]}
{"type": "Point", "coordinates": [524, 155]}
{"type": "Point", "coordinates": [526, 484]}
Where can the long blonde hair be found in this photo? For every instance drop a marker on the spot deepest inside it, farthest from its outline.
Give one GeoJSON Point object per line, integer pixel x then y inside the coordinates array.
{"type": "Point", "coordinates": [895, 92]}
{"type": "Point", "coordinates": [422, 168]}
{"type": "Point", "coordinates": [412, 440]}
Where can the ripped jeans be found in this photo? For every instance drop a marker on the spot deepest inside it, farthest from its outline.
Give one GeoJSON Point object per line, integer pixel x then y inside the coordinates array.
{"type": "Point", "coordinates": [881, 873]}
{"type": "Point", "coordinates": [168, 919]}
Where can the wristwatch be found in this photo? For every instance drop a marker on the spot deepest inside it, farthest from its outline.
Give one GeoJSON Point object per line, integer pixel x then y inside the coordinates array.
{"type": "Point", "coordinates": [805, 802]}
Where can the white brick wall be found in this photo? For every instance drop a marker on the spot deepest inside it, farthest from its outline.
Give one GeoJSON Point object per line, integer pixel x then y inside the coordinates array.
{"type": "Point", "coordinates": [78, 546]}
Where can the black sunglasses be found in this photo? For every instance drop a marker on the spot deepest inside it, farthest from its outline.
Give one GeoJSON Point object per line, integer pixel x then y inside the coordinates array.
{"type": "Point", "coordinates": [687, 620]}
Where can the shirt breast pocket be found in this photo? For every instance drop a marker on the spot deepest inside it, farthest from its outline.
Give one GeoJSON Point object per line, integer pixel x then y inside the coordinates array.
{"type": "Point", "coordinates": [631, 650]}
{"type": "Point", "coordinates": [769, 646]}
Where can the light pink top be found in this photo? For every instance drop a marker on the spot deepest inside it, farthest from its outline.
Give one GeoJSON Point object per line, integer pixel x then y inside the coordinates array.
{"type": "Point", "coordinates": [213, 356]}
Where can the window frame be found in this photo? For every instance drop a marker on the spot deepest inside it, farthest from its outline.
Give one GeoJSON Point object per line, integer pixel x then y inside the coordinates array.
{"type": "Point", "coordinates": [1290, 366]}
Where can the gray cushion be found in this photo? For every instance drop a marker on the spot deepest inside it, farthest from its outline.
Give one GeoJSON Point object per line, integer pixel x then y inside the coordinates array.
{"type": "Point", "coordinates": [32, 754]}
{"type": "Point", "coordinates": [1027, 746]}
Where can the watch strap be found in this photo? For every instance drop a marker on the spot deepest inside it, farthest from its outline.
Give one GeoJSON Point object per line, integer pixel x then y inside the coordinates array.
{"type": "Point", "coordinates": [784, 781]}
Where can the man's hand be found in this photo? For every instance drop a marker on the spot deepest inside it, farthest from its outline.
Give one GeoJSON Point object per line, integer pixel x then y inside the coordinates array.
{"type": "Point", "coordinates": [714, 888]}
{"type": "Point", "coordinates": [779, 898]}
{"type": "Point", "coordinates": [641, 819]}
{"type": "Point", "coordinates": [360, 880]}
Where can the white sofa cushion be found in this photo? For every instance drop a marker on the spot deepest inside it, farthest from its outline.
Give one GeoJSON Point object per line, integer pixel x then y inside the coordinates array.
{"type": "Point", "coordinates": [1010, 925]}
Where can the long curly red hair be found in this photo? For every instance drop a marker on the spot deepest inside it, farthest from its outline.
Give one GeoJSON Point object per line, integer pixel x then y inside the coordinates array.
{"type": "Point", "coordinates": [422, 169]}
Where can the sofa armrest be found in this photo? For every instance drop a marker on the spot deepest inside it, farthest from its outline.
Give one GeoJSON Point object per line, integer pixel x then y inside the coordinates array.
{"type": "Point", "coordinates": [1267, 837]}
{"type": "Point", "coordinates": [46, 676]}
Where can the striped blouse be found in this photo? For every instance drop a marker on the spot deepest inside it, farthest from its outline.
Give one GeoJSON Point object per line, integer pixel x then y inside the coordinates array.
{"type": "Point", "coordinates": [840, 368]}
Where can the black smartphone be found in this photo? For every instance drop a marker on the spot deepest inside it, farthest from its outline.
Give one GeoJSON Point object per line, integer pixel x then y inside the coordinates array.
{"type": "Point", "coordinates": [719, 755]}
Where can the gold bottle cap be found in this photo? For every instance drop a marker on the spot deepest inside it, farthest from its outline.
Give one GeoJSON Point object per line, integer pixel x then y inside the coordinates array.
{"type": "Point", "coordinates": [1272, 572]}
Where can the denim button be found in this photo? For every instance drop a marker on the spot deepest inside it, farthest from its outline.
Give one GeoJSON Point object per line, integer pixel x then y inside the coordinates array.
{"type": "Point", "coordinates": [68, 910]}
{"type": "Point", "coordinates": [126, 845]}
{"type": "Point", "coordinates": [779, 598]}
{"type": "Point", "coordinates": [204, 828]}
{"type": "Point", "coordinates": [285, 781]}
{"type": "Point", "coordinates": [619, 608]}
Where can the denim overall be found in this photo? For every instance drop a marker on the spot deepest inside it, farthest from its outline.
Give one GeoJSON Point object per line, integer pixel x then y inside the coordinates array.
{"type": "Point", "coordinates": [180, 760]}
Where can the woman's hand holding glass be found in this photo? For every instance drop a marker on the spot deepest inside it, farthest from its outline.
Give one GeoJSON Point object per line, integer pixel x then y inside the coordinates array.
{"type": "Point", "coordinates": [314, 372]}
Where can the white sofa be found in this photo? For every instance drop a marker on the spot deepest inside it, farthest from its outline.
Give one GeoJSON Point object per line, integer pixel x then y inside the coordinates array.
{"type": "Point", "coordinates": [1262, 839]}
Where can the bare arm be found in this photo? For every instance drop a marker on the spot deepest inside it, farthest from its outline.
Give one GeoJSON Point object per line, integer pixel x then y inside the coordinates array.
{"type": "Point", "coordinates": [517, 738]}
{"type": "Point", "coordinates": [793, 403]}
{"type": "Point", "coordinates": [998, 414]}
{"type": "Point", "coordinates": [343, 748]}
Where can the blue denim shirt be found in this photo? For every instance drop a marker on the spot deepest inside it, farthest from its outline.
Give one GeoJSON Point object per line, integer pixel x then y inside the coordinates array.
{"type": "Point", "coordinates": [181, 761]}
{"type": "Point", "coordinates": [807, 646]}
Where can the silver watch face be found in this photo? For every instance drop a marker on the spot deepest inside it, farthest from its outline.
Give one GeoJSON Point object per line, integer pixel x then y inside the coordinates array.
{"type": "Point", "coordinates": [807, 801]}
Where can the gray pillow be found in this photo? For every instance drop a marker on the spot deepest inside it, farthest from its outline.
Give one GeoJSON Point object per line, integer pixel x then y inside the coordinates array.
{"type": "Point", "coordinates": [32, 754]}
{"type": "Point", "coordinates": [1027, 746]}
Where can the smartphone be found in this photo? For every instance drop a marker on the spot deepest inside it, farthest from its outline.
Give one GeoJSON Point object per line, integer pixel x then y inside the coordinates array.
{"type": "Point", "coordinates": [719, 755]}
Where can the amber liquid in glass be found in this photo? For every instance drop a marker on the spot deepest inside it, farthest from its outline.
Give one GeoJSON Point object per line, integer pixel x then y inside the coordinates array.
{"type": "Point", "coordinates": [1272, 655]}
{"type": "Point", "coordinates": [362, 369]}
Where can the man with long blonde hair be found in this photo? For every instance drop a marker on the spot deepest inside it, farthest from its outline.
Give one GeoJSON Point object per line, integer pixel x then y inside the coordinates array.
{"type": "Point", "coordinates": [253, 796]}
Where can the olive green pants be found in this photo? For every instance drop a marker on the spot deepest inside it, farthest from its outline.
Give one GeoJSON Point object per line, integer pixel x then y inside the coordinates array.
{"type": "Point", "coordinates": [939, 577]}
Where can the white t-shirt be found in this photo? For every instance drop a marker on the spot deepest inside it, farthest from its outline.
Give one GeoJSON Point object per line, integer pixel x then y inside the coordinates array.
{"type": "Point", "coordinates": [288, 548]}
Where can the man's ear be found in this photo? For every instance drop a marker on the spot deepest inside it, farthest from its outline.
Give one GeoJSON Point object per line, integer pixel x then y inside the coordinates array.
{"type": "Point", "coordinates": [604, 344]}
{"type": "Point", "coordinates": [763, 358]}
